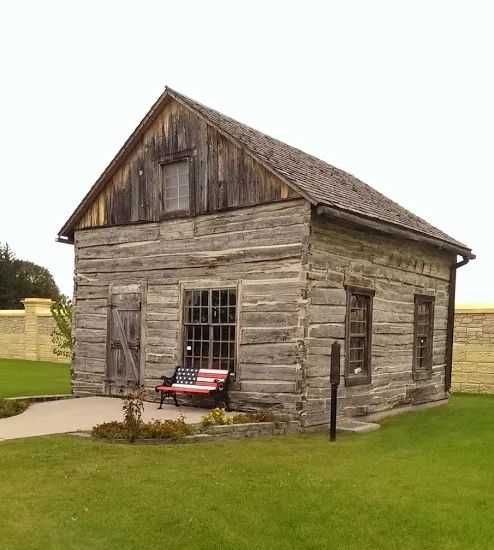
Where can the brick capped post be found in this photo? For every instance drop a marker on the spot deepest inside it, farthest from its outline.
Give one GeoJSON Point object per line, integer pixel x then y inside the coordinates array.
{"type": "Point", "coordinates": [33, 308]}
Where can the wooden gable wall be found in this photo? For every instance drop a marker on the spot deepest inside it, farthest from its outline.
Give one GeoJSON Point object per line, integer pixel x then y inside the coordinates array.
{"type": "Point", "coordinates": [224, 176]}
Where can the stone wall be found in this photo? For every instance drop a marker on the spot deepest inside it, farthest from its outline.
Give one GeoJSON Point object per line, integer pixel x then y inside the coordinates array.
{"type": "Point", "coordinates": [473, 350]}
{"type": "Point", "coordinates": [26, 334]}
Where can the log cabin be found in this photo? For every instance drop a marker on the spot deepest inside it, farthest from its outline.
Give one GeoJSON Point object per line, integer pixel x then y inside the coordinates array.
{"type": "Point", "coordinates": [220, 247]}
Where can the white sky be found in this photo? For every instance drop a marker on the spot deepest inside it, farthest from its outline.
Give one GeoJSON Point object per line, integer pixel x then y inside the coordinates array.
{"type": "Point", "coordinates": [400, 94]}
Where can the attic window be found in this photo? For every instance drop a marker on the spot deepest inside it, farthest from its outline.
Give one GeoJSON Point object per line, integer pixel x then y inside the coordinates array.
{"type": "Point", "coordinates": [176, 186]}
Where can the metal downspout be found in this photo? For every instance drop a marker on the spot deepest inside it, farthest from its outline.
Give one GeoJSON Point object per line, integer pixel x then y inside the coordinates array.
{"type": "Point", "coordinates": [451, 321]}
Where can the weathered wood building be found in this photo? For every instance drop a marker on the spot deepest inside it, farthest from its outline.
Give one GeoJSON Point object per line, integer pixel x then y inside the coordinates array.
{"type": "Point", "coordinates": [208, 243]}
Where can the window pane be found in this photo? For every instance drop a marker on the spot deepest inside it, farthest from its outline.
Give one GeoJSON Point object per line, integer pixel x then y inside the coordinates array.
{"type": "Point", "coordinates": [171, 169]}
{"type": "Point", "coordinates": [196, 297]}
{"type": "Point", "coordinates": [171, 182]}
{"type": "Point", "coordinates": [196, 315]}
{"type": "Point", "coordinates": [172, 193]}
{"type": "Point", "coordinates": [171, 204]}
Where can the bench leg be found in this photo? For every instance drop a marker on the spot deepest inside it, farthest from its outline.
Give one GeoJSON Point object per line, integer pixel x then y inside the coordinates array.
{"type": "Point", "coordinates": [220, 397]}
{"type": "Point", "coordinates": [165, 394]}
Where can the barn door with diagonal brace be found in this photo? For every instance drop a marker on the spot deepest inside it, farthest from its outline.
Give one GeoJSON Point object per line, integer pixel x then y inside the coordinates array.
{"type": "Point", "coordinates": [124, 331]}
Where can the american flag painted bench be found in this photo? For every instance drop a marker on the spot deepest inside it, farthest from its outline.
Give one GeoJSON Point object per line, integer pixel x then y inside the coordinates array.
{"type": "Point", "coordinates": [213, 382]}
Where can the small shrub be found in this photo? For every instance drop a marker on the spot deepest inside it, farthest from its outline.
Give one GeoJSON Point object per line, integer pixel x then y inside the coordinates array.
{"type": "Point", "coordinates": [217, 417]}
{"type": "Point", "coordinates": [165, 429]}
{"type": "Point", "coordinates": [11, 407]}
{"type": "Point", "coordinates": [156, 429]}
{"type": "Point", "coordinates": [241, 419]}
{"type": "Point", "coordinates": [110, 430]}
{"type": "Point", "coordinates": [257, 416]}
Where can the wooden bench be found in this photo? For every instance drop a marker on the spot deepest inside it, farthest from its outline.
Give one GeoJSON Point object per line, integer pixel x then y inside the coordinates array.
{"type": "Point", "coordinates": [213, 382]}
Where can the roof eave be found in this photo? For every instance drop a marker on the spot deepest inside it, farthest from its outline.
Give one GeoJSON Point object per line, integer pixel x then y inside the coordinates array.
{"type": "Point", "coordinates": [391, 229]}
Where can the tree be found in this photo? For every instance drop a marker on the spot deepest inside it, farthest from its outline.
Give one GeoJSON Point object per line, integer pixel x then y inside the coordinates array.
{"type": "Point", "coordinates": [21, 279]}
{"type": "Point", "coordinates": [7, 278]}
{"type": "Point", "coordinates": [61, 335]}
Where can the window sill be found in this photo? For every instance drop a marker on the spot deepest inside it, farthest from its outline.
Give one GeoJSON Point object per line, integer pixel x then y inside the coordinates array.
{"type": "Point", "coordinates": [175, 214]}
{"type": "Point", "coordinates": [422, 375]}
{"type": "Point", "coordinates": [357, 380]}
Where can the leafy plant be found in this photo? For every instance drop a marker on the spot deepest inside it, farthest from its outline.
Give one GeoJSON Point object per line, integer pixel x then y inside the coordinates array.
{"type": "Point", "coordinates": [133, 405]}
{"type": "Point", "coordinates": [11, 407]}
{"type": "Point", "coordinates": [61, 335]}
{"type": "Point", "coordinates": [256, 416]}
{"type": "Point", "coordinates": [217, 417]}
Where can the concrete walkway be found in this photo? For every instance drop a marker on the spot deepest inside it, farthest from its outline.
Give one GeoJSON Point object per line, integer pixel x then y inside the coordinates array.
{"type": "Point", "coordinates": [71, 415]}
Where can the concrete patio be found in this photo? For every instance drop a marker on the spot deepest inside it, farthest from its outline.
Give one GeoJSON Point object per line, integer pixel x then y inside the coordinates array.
{"type": "Point", "coordinates": [71, 415]}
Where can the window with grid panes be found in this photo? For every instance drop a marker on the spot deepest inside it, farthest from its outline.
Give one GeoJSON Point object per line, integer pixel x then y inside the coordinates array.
{"type": "Point", "coordinates": [176, 186]}
{"type": "Point", "coordinates": [210, 328]}
{"type": "Point", "coordinates": [423, 335]}
{"type": "Point", "coordinates": [358, 336]}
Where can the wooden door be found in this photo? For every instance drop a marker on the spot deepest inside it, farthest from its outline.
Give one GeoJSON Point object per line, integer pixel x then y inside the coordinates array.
{"type": "Point", "coordinates": [123, 343]}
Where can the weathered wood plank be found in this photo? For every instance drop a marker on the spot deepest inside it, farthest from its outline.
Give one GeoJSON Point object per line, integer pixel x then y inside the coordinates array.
{"type": "Point", "coordinates": [224, 176]}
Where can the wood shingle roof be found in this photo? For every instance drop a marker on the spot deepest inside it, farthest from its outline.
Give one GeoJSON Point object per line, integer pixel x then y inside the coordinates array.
{"type": "Point", "coordinates": [319, 181]}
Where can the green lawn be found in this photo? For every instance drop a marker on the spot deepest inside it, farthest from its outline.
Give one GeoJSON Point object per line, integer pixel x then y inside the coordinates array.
{"type": "Point", "coordinates": [424, 481]}
{"type": "Point", "coordinates": [18, 378]}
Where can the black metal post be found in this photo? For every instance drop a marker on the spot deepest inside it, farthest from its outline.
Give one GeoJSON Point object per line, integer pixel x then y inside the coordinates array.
{"type": "Point", "coordinates": [334, 378]}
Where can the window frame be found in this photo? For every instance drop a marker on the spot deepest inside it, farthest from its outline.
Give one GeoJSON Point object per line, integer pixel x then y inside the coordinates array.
{"type": "Point", "coordinates": [175, 158]}
{"type": "Point", "coordinates": [352, 379]}
{"type": "Point", "coordinates": [423, 372]}
{"type": "Point", "coordinates": [210, 287]}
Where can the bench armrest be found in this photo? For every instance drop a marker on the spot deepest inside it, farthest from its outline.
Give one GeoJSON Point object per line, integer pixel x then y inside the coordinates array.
{"type": "Point", "coordinates": [168, 380]}
{"type": "Point", "coordinates": [221, 384]}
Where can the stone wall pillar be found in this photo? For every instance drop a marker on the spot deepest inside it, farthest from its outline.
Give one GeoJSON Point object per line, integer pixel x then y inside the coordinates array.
{"type": "Point", "coordinates": [33, 307]}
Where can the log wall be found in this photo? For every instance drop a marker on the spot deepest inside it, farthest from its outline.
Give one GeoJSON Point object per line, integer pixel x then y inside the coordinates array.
{"type": "Point", "coordinates": [396, 269]}
{"type": "Point", "coordinates": [290, 268]}
{"type": "Point", "coordinates": [258, 249]}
